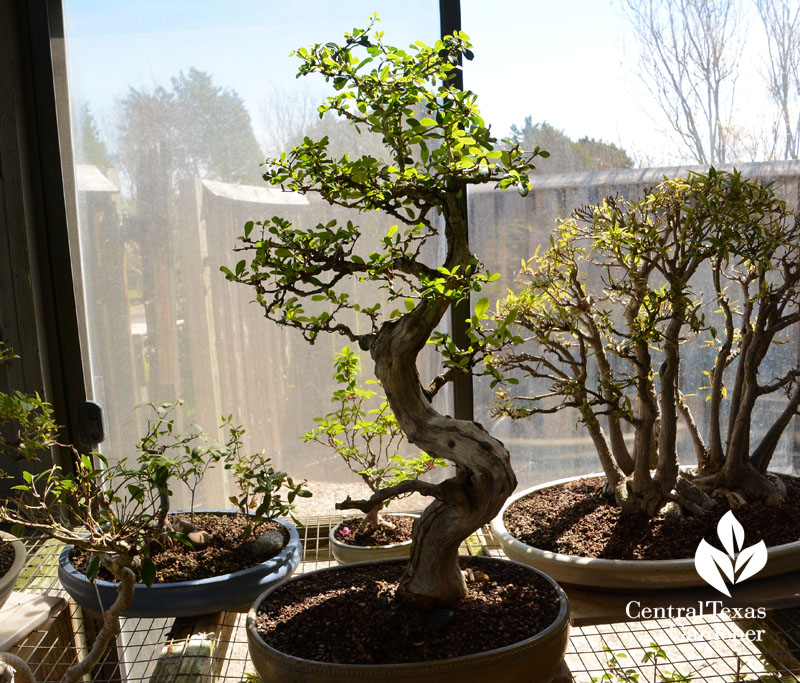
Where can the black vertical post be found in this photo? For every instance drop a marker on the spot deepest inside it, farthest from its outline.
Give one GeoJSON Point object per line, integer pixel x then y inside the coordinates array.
{"type": "Point", "coordinates": [61, 341]}
{"type": "Point", "coordinates": [449, 21]}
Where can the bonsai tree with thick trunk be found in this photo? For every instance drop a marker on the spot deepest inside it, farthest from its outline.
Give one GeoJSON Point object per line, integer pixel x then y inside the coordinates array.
{"type": "Point", "coordinates": [436, 146]}
{"type": "Point", "coordinates": [608, 310]}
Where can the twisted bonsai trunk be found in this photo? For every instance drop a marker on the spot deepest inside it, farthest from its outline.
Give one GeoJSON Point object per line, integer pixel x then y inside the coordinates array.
{"type": "Point", "coordinates": [483, 480]}
{"type": "Point", "coordinates": [111, 625]}
{"type": "Point", "coordinates": [473, 497]}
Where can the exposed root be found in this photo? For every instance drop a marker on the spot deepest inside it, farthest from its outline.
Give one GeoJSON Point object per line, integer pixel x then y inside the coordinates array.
{"type": "Point", "coordinates": [369, 525]}
{"type": "Point", "coordinates": [684, 499]}
{"type": "Point", "coordinates": [735, 500]}
{"type": "Point", "coordinates": [750, 487]}
{"type": "Point", "coordinates": [606, 489]}
{"type": "Point", "coordinates": [477, 576]}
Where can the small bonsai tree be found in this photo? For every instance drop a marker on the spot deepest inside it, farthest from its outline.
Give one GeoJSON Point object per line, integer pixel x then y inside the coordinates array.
{"type": "Point", "coordinates": [301, 274]}
{"type": "Point", "coordinates": [116, 511]}
{"type": "Point", "coordinates": [86, 508]}
{"type": "Point", "coordinates": [368, 439]}
{"type": "Point", "coordinates": [189, 455]}
{"type": "Point", "coordinates": [608, 309]}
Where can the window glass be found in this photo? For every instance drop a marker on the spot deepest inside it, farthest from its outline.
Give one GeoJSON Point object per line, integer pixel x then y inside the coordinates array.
{"type": "Point", "coordinates": [174, 106]}
{"type": "Point", "coordinates": [591, 83]}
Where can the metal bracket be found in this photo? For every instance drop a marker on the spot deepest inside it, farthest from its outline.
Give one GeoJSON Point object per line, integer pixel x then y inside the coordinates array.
{"type": "Point", "coordinates": [90, 423]}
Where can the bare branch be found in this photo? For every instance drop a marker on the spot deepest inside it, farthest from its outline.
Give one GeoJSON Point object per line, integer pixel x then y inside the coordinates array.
{"type": "Point", "coordinates": [384, 494]}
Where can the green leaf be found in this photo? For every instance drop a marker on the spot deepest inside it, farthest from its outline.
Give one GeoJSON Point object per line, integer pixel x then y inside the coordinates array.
{"type": "Point", "coordinates": [183, 538]}
{"type": "Point", "coordinates": [148, 571]}
{"type": "Point", "coordinates": [92, 568]}
{"type": "Point", "coordinates": [481, 307]}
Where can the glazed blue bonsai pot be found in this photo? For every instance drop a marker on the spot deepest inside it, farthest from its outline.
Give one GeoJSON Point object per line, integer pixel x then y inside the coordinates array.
{"type": "Point", "coordinates": [234, 592]}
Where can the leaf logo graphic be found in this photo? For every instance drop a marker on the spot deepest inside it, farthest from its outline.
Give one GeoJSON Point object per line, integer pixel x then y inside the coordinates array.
{"type": "Point", "coordinates": [714, 566]}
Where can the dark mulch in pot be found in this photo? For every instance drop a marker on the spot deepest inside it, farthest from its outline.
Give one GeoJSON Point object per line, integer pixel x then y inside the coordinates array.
{"type": "Point", "coordinates": [575, 519]}
{"type": "Point", "coordinates": [380, 536]}
{"type": "Point", "coordinates": [6, 557]}
{"type": "Point", "coordinates": [226, 553]}
{"type": "Point", "coordinates": [352, 616]}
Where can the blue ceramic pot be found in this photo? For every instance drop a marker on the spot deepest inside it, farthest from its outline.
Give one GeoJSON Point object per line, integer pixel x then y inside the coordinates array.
{"type": "Point", "coordinates": [234, 592]}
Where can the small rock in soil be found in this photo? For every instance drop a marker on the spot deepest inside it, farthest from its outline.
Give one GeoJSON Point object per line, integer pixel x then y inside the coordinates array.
{"type": "Point", "coordinates": [198, 537]}
{"type": "Point", "coordinates": [270, 543]}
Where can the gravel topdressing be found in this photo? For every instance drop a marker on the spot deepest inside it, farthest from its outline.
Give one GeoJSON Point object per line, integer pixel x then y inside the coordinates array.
{"type": "Point", "coordinates": [6, 557]}
{"type": "Point", "coordinates": [226, 553]}
{"type": "Point", "coordinates": [381, 536]}
{"type": "Point", "coordinates": [351, 615]}
{"type": "Point", "coordinates": [574, 519]}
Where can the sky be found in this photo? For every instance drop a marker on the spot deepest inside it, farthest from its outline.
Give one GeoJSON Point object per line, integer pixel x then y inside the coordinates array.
{"type": "Point", "coordinates": [570, 63]}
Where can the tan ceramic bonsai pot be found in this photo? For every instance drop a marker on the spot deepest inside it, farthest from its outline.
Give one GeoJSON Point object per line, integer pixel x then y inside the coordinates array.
{"type": "Point", "coordinates": [347, 554]}
{"type": "Point", "coordinates": [621, 575]}
{"type": "Point", "coordinates": [542, 654]}
{"type": "Point", "coordinates": [9, 580]}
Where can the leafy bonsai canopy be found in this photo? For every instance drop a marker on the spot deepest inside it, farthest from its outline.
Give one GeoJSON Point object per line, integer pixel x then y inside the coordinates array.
{"type": "Point", "coordinates": [436, 146]}
{"type": "Point", "coordinates": [711, 261]}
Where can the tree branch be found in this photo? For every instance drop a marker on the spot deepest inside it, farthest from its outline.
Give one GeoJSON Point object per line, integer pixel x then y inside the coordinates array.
{"type": "Point", "coordinates": [384, 494]}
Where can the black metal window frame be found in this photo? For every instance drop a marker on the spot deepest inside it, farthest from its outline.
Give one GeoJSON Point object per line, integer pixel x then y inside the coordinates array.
{"type": "Point", "coordinates": [45, 154]}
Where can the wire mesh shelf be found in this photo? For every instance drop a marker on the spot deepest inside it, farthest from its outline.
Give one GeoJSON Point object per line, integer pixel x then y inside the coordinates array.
{"type": "Point", "coordinates": [214, 647]}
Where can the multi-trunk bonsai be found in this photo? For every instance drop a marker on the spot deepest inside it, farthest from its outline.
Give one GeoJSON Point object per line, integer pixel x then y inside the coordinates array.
{"type": "Point", "coordinates": [611, 309]}
{"type": "Point", "coordinates": [658, 324]}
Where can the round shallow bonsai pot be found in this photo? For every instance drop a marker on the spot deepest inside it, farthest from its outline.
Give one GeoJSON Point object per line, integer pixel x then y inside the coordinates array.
{"type": "Point", "coordinates": [230, 592]}
{"type": "Point", "coordinates": [346, 553]}
{"type": "Point", "coordinates": [621, 575]}
{"type": "Point", "coordinates": [9, 579]}
{"type": "Point", "coordinates": [542, 654]}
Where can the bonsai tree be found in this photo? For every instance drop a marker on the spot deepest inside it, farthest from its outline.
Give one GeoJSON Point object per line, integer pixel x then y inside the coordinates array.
{"type": "Point", "coordinates": [301, 274]}
{"type": "Point", "coordinates": [117, 511]}
{"type": "Point", "coordinates": [608, 310]}
{"type": "Point", "coordinates": [368, 440]}
{"type": "Point", "coordinates": [84, 508]}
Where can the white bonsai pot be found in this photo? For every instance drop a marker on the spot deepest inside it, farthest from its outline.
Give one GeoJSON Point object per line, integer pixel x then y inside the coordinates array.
{"type": "Point", "coordinates": [346, 554]}
{"type": "Point", "coordinates": [9, 580]}
{"type": "Point", "coordinates": [586, 572]}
